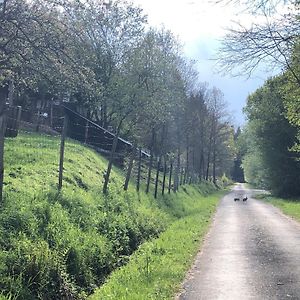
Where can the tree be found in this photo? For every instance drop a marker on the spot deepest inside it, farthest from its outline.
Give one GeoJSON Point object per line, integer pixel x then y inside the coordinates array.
{"type": "Point", "coordinates": [109, 33]}
{"type": "Point", "coordinates": [237, 173]}
{"type": "Point", "coordinates": [273, 43]}
{"type": "Point", "coordinates": [273, 137]}
{"type": "Point", "coordinates": [37, 47]}
{"type": "Point", "coordinates": [216, 107]}
{"type": "Point", "coordinates": [244, 48]}
{"type": "Point", "coordinates": [145, 90]}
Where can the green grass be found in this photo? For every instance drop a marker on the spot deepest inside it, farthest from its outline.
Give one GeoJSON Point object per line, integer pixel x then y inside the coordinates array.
{"type": "Point", "coordinates": [64, 245]}
{"type": "Point", "coordinates": [290, 207]}
{"type": "Point", "coordinates": [157, 268]}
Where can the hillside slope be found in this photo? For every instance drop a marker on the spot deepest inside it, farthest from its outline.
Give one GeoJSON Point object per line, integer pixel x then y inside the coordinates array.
{"type": "Point", "coordinates": [64, 245]}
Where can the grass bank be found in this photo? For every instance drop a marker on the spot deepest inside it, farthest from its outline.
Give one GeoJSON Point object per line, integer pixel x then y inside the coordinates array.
{"type": "Point", "coordinates": [65, 245]}
{"type": "Point", "coordinates": [157, 268]}
{"type": "Point", "coordinates": [290, 207]}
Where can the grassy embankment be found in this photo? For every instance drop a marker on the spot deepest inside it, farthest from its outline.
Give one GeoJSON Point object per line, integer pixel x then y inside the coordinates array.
{"type": "Point", "coordinates": [55, 246]}
{"type": "Point", "coordinates": [290, 207]}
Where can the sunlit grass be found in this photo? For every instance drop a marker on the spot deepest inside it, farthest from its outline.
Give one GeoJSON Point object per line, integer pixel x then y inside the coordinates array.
{"type": "Point", "coordinates": [157, 268]}
{"type": "Point", "coordinates": [290, 207]}
{"type": "Point", "coordinates": [70, 241]}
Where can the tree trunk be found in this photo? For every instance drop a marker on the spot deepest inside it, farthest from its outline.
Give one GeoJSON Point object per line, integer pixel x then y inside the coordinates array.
{"type": "Point", "coordinates": [3, 119]}
{"type": "Point", "coordinates": [201, 167]}
{"type": "Point", "coordinates": [209, 154]}
{"type": "Point", "coordinates": [170, 178]}
{"type": "Point", "coordinates": [214, 163]}
{"type": "Point", "coordinates": [186, 173]}
{"type": "Point", "coordinates": [11, 90]}
{"type": "Point", "coordinates": [207, 166]}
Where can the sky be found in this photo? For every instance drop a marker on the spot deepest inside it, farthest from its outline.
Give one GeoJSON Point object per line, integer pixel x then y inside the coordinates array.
{"type": "Point", "coordinates": [200, 25]}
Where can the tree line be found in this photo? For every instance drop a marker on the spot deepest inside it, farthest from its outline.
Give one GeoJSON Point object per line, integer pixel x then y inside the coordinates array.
{"type": "Point", "coordinates": [119, 72]}
{"type": "Point", "coordinates": [269, 148]}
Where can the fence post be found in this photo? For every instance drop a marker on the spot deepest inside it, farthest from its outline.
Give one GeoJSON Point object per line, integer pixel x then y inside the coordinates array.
{"type": "Point", "coordinates": [86, 133]}
{"type": "Point", "coordinates": [62, 151]}
{"type": "Point", "coordinates": [51, 114]}
{"type": "Point", "coordinates": [110, 161]}
{"type": "Point", "coordinates": [164, 177]}
{"type": "Point", "coordinates": [129, 170]}
{"type": "Point", "coordinates": [151, 161]}
{"type": "Point", "coordinates": [177, 172]}
{"type": "Point", "coordinates": [139, 170]}
{"type": "Point", "coordinates": [156, 178]}
{"type": "Point", "coordinates": [19, 117]}
{"type": "Point", "coordinates": [181, 176]}
{"type": "Point", "coordinates": [38, 121]}
{"type": "Point", "coordinates": [185, 176]}
{"type": "Point", "coordinates": [170, 178]}
{"type": "Point", "coordinates": [2, 137]}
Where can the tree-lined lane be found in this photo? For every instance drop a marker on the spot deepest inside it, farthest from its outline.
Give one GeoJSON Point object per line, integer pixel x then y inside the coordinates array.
{"type": "Point", "coordinates": [251, 252]}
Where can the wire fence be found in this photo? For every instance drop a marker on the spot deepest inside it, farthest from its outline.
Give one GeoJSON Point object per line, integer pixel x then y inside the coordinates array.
{"type": "Point", "coordinates": [155, 174]}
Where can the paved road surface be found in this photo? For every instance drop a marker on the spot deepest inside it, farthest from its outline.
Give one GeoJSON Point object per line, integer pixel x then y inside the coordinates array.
{"type": "Point", "coordinates": [251, 252]}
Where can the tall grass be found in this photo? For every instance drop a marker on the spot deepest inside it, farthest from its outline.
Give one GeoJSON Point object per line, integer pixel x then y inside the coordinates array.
{"type": "Point", "coordinates": [157, 268]}
{"type": "Point", "coordinates": [64, 245]}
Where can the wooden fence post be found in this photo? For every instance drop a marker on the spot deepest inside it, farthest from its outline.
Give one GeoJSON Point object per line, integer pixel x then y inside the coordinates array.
{"type": "Point", "coordinates": [37, 127]}
{"type": "Point", "coordinates": [185, 176]}
{"type": "Point", "coordinates": [181, 176]}
{"type": "Point", "coordinates": [138, 178]}
{"type": "Point", "coordinates": [164, 177]}
{"type": "Point", "coordinates": [170, 178]}
{"type": "Point", "coordinates": [111, 159]}
{"type": "Point", "coordinates": [51, 114]}
{"type": "Point", "coordinates": [3, 118]}
{"type": "Point", "coordinates": [62, 151]}
{"type": "Point", "coordinates": [19, 117]}
{"type": "Point", "coordinates": [156, 178]}
{"type": "Point", "coordinates": [86, 132]}
{"type": "Point", "coordinates": [177, 172]}
{"type": "Point", "coordinates": [130, 166]}
{"type": "Point", "coordinates": [150, 162]}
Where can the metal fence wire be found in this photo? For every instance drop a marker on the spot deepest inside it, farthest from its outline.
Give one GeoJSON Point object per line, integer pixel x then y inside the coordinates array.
{"type": "Point", "coordinates": [61, 122]}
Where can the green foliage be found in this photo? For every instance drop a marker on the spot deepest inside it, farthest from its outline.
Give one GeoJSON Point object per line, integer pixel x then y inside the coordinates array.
{"type": "Point", "coordinates": [254, 169]}
{"type": "Point", "coordinates": [269, 161]}
{"type": "Point", "coordinates": [64, 245]}
{"type": "Point", "coordinates": [237, 172]}
{"type": "Point", "coordinates": [157, 268]}
{"type": "Point", "coordinates": [224, 181]}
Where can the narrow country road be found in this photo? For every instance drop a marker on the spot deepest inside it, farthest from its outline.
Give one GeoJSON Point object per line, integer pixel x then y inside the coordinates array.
{"type": "Point", "coordinates": [251, 252]}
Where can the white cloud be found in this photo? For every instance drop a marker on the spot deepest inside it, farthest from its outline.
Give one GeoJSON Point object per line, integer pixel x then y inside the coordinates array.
{"type": "Point", "coordinates": [199, 24]}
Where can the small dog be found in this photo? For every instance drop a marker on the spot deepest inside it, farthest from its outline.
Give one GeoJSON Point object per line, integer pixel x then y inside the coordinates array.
{"type": "Point", "coordinates": [245, 198]}
{"type": "Point", "coordinates": [236, 199]}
